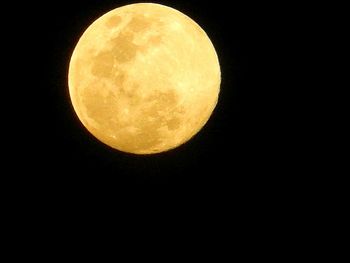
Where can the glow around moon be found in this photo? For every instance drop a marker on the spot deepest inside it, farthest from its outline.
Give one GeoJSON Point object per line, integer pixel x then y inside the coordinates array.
{"type": "Point", "coordinates": [144, 78]}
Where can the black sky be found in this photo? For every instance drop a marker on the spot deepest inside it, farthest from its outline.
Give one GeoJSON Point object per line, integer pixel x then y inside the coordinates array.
{"type": "Point", "coordinates": [250, 176]}
{"type": "Point", "coordinates": [241, 146]}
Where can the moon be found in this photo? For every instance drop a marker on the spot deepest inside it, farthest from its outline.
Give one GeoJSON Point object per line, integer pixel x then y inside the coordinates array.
{"type": "Point", "coordinates": [144, 78]}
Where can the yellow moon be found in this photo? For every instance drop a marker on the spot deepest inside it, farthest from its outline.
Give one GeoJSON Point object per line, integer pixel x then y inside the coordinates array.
{"type": "Point", "coordinates": [144, 78]}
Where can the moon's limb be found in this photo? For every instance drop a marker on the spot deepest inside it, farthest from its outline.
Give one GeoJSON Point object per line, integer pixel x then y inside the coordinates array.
{"type": "Point", "coordinates": [144, 78]}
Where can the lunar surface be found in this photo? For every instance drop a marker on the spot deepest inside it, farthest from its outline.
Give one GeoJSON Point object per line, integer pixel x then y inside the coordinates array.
{"type": "Point", "coordinates": [144, 78]}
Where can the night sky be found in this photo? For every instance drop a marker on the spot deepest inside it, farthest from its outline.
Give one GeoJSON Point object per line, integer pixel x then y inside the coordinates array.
{"type": "Point", "coordinates": [240, 148]}
{"type": "Point", "coordinates": [251, 177]}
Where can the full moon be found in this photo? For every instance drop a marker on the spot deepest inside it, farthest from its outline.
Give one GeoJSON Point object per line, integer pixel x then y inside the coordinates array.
{"type": "Point", "coordinates": [144, 78]}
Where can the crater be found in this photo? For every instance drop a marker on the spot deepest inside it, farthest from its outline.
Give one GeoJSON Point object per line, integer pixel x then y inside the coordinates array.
{"type": "Point", "coordinates": [103, 64]}
{"type": "Point", "coordinates": [114, 21]}
{"type": "Point", "coordinates": [167, 99]}
{"type": "Point", "coordinates": [141, 142]}
{"type": "Point", "coordinates": [138, 24]}
{"type": "Point", "coordinates": [155, 40]}
{"type": "Point", "coordinates": [123, 49]}
{"type": "Point", "coordinates": [119, 79]}
{"type": "Point", "coordinates": [101, 109]}
{"type": "Point", "coordinates": [164, 99]}
{"type": "Point", "coordinates": [148, 123]}
{"type": "Point", "coordinates": [146, 135]}
{"type": "Point", "coordinates": [173, 123]}
{"type": "Point", "coordinates": [130, 93]}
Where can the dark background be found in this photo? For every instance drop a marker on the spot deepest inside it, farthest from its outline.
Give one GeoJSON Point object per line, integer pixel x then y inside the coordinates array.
{"type": "Point", "coordinates": [250, 176]}
{"type": "Point", "coordinates": [243, 147]}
